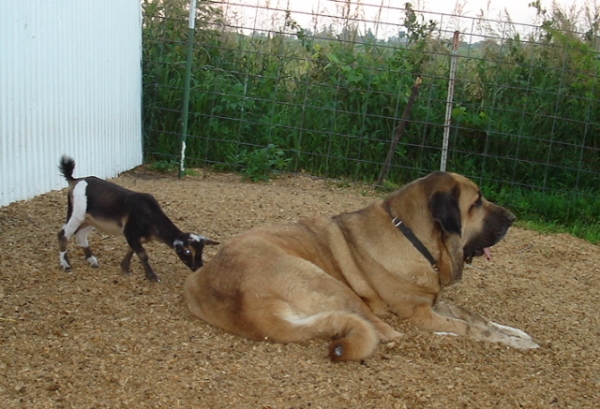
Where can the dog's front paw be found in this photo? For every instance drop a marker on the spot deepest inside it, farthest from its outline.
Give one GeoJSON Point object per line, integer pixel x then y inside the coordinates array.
{"type": "Point", "coordinates": [515, 337]}
{"type": "Point", "coordinates": [510, 331]}
{"type": "Point", "coordinates": [521, 343]}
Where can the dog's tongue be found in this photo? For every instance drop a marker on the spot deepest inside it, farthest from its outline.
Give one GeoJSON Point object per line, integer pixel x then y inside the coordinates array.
{"type": "Point", "coordinates": [488, 253]}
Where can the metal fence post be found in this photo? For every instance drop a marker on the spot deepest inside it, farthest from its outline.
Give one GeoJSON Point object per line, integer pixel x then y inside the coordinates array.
{"type": "Point", "coordinates": [449, 100]}
{"type": "Point", "coordinates": [186, 89]}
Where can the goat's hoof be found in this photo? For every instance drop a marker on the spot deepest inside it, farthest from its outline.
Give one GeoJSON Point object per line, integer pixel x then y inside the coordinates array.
{"type": "Point", "coordinates": [67, 269]}
{"type": "Point", "coordinates": [154, 279]}
{"type": "Point", "coordinates": [93, 261]}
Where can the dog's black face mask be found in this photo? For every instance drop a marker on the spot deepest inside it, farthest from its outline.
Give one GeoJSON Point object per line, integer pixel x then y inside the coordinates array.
{"type": "Point", "coordinates": [495, 225]}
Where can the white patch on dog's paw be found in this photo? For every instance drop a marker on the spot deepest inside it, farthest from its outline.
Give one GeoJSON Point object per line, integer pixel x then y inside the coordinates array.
{"type": "Point", "coordinates": [452, 334]}
{"type": "Point", "coordinates": [510, 331]}
{"type": "Point", "coordinates": [515, 337]}
{"type": "Point", "coordinates": [522, 343]}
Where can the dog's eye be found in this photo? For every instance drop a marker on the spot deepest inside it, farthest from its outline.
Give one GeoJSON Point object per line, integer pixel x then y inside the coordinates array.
{"type": "Point", "coordinates": [478, 203]}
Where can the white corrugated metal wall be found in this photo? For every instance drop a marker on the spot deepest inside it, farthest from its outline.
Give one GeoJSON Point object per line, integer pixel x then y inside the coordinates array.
{"type": "Point", "coordinates": [70, 82]}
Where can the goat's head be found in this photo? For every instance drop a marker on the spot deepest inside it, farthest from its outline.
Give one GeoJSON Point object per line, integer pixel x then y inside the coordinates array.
{"type": "Point", "coordinates": [189, 248]}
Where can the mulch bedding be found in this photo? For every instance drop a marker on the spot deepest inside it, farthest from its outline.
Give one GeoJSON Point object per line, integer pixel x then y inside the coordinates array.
{"type": "Point", "coordinates": [94, 338]}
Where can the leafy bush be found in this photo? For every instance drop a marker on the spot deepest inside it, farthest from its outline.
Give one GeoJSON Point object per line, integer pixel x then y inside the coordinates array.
{"type": "Point", "coordinates": [525, 124]}
{"type": "Point", "coordinates": [258, 164]}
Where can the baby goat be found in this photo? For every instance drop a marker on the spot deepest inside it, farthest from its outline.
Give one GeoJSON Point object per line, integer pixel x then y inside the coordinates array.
{"type": "Point", "coordinates": [115, 210]}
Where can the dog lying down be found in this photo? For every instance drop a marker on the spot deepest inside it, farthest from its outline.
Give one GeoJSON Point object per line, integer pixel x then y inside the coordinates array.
{"type": "Point", "coordinates": [333, 277]}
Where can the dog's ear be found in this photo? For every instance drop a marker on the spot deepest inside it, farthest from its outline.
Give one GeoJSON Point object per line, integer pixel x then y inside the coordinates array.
{"type": "Point", "coordinates": [445, 210]}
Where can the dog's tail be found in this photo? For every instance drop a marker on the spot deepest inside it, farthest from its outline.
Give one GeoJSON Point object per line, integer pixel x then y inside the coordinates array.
{"type": "Point", "coordinates": [354, 337]}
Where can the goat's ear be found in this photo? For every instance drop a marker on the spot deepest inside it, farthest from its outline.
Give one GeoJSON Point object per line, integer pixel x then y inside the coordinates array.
{"type": "Point", "coordinates": [446, 211]}
{"type": "Point", "coordinates": [210, 242]}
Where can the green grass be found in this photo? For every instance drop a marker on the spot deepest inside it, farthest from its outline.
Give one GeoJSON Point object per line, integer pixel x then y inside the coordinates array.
{"type": "Point", "coordinates": [584, 231]}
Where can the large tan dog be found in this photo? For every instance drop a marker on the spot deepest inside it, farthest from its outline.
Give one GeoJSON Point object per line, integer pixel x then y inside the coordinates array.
{"type": "Point", "coordinates": [334, 276]}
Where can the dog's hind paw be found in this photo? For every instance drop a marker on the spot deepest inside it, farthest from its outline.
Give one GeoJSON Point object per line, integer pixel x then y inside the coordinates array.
{"type": "Point", "coordinates": [390, 336]}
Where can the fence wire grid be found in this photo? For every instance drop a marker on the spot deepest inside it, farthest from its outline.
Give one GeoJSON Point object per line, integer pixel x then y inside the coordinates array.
{"type": "Point", "coordinates": [329, 88]}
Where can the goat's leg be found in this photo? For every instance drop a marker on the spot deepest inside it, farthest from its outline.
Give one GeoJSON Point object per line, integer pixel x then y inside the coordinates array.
{"type": "Point", "coordinates": [126, 263]}
{"type": "Point", "coordinates": [77, 207]}
{"type": "Point", "coordinates": [143, 256]}
{"type": "Point", "coordinates": [150, 274]}
{"type": "Point", "coordinates": [70, 228]}
{"type": "Point", "coordinates": [81, 235]}
{"type": "Point", "coordinates": [62, 245]}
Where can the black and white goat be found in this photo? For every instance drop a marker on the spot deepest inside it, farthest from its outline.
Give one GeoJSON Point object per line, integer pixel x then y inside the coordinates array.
{"type": "Point", "coordinates": [96, 203]}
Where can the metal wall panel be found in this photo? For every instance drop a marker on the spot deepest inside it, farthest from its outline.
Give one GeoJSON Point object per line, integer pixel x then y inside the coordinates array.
{"type": "Point", "coordinates": [70, 83]}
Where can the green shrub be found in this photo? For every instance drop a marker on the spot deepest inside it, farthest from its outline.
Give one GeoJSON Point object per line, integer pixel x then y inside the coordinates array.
{"type": "Point", "coordinates": [525, 123]}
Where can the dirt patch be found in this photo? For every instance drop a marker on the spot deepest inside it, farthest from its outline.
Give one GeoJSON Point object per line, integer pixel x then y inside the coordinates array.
{"type": "Point", "coordinates": [98, 339]}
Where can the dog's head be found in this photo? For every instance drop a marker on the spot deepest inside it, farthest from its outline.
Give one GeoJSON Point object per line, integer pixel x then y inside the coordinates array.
{"type": "Point", "coordinates": [462, 220]}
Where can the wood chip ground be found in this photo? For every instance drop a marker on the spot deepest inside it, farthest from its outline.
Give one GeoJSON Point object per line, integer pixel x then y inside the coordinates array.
{"type": "Point", "coordinates": [94, 338]}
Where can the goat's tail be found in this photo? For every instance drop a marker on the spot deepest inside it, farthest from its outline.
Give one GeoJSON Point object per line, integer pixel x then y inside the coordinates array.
{"type": "Point", "coordinates": [66, 167]}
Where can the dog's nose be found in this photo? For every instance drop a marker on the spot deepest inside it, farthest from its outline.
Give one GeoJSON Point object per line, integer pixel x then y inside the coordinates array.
{"type": "Point", "coordinates": [510, 217]}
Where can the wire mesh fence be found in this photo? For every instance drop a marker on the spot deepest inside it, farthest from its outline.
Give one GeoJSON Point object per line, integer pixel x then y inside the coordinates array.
{"type": "Point", "coordinates": [329, 88]}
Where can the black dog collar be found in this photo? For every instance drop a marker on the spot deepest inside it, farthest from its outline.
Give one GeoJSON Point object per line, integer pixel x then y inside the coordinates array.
{"type": "Point", "coordinates": [408, 233]}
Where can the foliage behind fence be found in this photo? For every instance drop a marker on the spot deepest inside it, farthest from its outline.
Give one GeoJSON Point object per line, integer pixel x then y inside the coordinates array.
{"type": "Point", "coordinates": [327, 99]}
